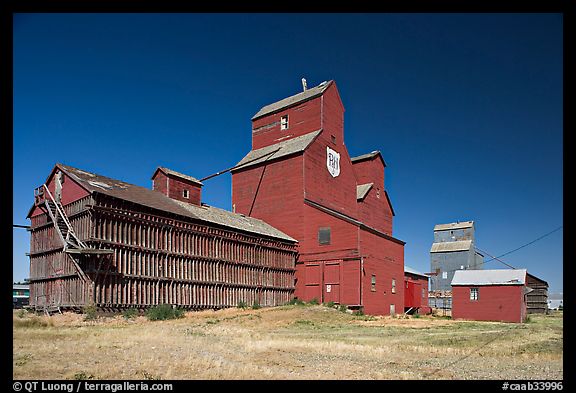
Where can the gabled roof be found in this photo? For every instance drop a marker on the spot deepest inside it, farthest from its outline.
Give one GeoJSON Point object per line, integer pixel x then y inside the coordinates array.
{"type": "Point", "coordinates": [459, 245]}
{"type": "Point", "coordinates": [94, 183]}
{"type": "Point", "coordinates": [489, 277]}
{"type": "Point", "coordinates": [454, 225]}
{"type": "Point", "coordinates": [280, 149]}
{"type": "Point", "coordinates": [362, 190]}
{"type": "Point", "coordinates": [293, 100]}
{"type": "Point", "coordinates": [409, 270]}
{"type": "Point", "coordinates": [176, 174]}
{"type": "Point", "coordinates": [368, 156]}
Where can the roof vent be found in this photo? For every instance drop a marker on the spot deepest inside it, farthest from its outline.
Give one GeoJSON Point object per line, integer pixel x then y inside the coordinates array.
{"type": "Point", "coordinates": [304, 85]}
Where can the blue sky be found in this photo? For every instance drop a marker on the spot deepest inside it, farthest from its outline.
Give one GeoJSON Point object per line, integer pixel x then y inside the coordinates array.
{"type": "Point", "coordinates": [465, 108]}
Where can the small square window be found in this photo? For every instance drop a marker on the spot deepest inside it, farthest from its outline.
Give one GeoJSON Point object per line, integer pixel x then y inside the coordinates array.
{"type": "Point", "coordinates": [186, 194]}
{"type": "Point", "coordinates": [393, 285]}
{"type": "Point", "coordinates": [373, 282]}
{"type": "Point", "coordinates": [474, 293]}
{"type": "Point", "coordinates": [324, 235]}
{"type": "Point", "coordinates": [284, 122]}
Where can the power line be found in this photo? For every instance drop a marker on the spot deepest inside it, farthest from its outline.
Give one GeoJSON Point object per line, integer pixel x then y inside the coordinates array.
{"type": "Point", "coordinates": [527, 244]}
{"type": "Point", "coordinates": [509, 252]}
{"type": "Point", "coordinates": [493, 257]}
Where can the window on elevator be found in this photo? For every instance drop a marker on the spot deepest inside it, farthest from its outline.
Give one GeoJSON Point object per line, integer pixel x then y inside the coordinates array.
{"type": "Point", "coordinates": [324, 235]}
{"type": "Point", "coordinates": [284, 122]}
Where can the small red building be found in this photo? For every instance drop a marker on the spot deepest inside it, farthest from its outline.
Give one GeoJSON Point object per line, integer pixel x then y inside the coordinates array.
{"type": "Point", "coordinates": [415, 291]}
{"type": "Point", "coordinates": [299, 178]}
{"type": "Point", "coordinates": [489, 295]}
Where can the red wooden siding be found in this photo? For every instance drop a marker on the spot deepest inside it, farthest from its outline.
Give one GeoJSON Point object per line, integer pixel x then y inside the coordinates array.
{"type": "Point", "coordinates": [298, 195]}
{"type": "Point", "coordinates": [302, 119]}
{"type": "Point", "coordinates": [272, 192]}
{"type": "Point", "coordinates": [156, 258]}
{"type": "Point", "coordinates": [416, 293]}
{"type": "Point", "coordinates": [384, 259]}
{"type": "Point", "coordinates": [504, 303]}
{"type": "Point", "coordinates": [71, 191]}
{"type": "Point", "coordinates": [333, 115]}
{"type": "Point", "coordinates": [173, 187]}
{"type": "Point", "coordinates": [337, 193]}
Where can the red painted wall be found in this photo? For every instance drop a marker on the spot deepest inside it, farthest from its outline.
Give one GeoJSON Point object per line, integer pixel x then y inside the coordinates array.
{"type": "Point", "coordinates": [333, 114]}
{"type": "Point", "coordinates": [277, 193]}
{"type": "Point", "coordinates": [173, 187]}
{"type": "Point", "coordinates": [385, 259]}
{"type": "Point", "coordinates": [302, 119]}
{"type": "Point", "coordinates": [71, 191]}
{"type": "Point", "coordinates": [374, 210]}
{"type": "Point", "coordinates": [343, 245]}
{"type": "Point", "coordinates": [337, 193]}
{"type": "Point", "coordinates": [504, 303]}
{"type": "Point", "coordinates": [272, 192]}
{"type": "Point", "coordinates": [413, 288]}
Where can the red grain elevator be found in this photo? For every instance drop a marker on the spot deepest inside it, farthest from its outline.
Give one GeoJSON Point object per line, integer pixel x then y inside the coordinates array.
{"type": "Point", "coordinates": [299, 178]}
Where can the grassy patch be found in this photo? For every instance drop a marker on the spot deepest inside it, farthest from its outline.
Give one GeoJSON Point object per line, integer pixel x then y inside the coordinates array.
{"type": "Point", "coordinates": [163, 312]}
{"type": "Point", "coordinates": [33, 322]}
{"type": "Point", "coordinates": [82, 376]}
{"type": "Point", "coordinates": [242, 304]}
{"type": "Point", "coordinates": [130, 313]}
{"type": "Point", "coordinates": [90, 312]}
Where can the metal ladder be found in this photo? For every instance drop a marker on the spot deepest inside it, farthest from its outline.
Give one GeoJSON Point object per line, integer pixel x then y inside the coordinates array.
{"type": "Point", "coordinates": [61, 221]}
{"type": "Point", "coordinates": [70, 240]}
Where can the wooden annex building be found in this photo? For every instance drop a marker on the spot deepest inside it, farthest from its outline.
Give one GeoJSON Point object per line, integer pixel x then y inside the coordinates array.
{"type": "Point", "coordinates": [96, 240]}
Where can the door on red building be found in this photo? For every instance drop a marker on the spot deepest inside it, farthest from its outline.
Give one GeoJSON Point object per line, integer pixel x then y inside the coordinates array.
{"type": "Point", "coordinates": [313, 288]}
{"type": "Point", "coordinates": [331, 282]}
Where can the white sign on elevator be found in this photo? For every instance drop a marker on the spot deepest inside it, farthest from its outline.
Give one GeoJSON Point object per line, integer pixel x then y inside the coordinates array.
{"type": "Point", "coordinates": [332, 162]}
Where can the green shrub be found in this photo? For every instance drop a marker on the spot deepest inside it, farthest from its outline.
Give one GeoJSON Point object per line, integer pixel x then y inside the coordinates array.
{"type": "Point", "coordinates": [90, 312]}
{"type": "Point", "coordinates": [242, 304]}
{"type": "Point", "coordinates": [359, 312]}
{"type": "Point", "coordinates": [21, 313]}
{"type": "Point", "coordinates": [295, 302]}
{"type": "Point", "coordinates": [82, 376]}
{"type": "Point", "coordinates": [163, 312]}
{"type": "Point", "coordinates": [314, 301]}
{"type": "Point", "coordinates": [416, 315]}
{"type": "Point", "coordinates": [329, 304]}
{"type": "Point", "coordinates": [256, 306]}
{"type": "Point", "coordinates": [130, 313]}
{"type": "Point", "coordinates": [342, 308]}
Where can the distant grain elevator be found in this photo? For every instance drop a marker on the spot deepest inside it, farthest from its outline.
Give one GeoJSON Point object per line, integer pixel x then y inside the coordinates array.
{"type": "Point", "coordinates": [453, 249]}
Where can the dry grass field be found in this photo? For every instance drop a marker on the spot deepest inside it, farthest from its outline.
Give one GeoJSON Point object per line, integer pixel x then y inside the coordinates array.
{"type": "Point", "coordinates": [288, 342]}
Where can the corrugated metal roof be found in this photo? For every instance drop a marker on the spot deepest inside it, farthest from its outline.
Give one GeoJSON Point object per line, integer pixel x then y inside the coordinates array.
{"type": "Point", "coordinates": [408, 269]}
{"type": "Point", "coordinates": [454, 225]}
{"type": "Point", "coordinates": [362, 190]}
{"type": "Point", "coordinates": [178, 174]}
{"type": "Point", "coordinates": [490, 277]}
{"type": "Point", "coordinates": [280, 149]}
{"type": "Point", "coordinates": [460, 245]}
{"type": "Point", "coordinates": [156, 200]}
{"type": "Point", "coordinates": [292, 100]}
